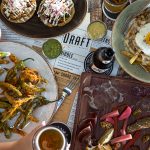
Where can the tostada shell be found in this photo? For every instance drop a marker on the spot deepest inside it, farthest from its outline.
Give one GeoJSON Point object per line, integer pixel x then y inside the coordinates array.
{"type": "Point", "coordinates": [21, 17]}
{"type": "Point", "coordinates": [42, 17]}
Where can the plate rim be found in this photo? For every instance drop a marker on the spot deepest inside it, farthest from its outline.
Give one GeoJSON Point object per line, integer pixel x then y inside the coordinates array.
{"type": "Point", "coordinates": [41, 37]}
{"type": "Point", "coordinates": [49, 66]}
{"type": "Point", "coordinates": [114, 47]}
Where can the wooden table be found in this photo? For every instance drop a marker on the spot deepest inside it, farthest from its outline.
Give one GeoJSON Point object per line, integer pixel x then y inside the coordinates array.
{"type": "Point", "coordinates": [94, 8]}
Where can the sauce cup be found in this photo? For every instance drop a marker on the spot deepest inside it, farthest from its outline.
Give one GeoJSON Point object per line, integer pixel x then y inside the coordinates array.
{"type": "Point", "coordinates": [96, 30]}
{"type": "Point", "coordinates": [36, 139]}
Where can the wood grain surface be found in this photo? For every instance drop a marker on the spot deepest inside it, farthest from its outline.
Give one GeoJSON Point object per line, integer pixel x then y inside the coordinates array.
{"type": "Point", "coordinates": [36, 29]}
{"type": "Point", "coordinates": [129, 92]}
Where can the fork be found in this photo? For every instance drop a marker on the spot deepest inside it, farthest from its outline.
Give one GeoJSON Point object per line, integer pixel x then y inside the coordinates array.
{"type": "Point", "coordinates": [67, 91]}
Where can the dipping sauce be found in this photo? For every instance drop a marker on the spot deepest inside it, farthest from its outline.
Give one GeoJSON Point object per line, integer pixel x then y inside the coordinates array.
{"type": "Point", "coordinates": [52, 48]}
{"type": "Point", "coordinates": [96, 30]}
{"type": "Point", "coordinates": [51, 140]}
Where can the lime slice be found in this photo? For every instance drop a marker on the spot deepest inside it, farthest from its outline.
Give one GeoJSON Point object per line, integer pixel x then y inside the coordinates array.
{"type": "Point", "coordinates": [4, 54]}
{"type": "Point", "coordinates": [52, 48]}
{"type": "Point", "coordinates": [96, 30]}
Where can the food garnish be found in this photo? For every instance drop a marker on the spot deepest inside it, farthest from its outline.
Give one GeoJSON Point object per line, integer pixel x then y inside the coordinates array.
{"type": "Point", "coordinates": [18, 11]}
{"type": "Point", "coordinates": [105, 125]}
{"type": "Point", "coordinates": [133, 59]}
{"type": "Point", "coordinates": [116, 135]}
{"type": "Point", "coordinates": [137, 112]}
{"type": "Point", "coordinates": [21, 95]}
{"type": "Point", "coordinates": [139, 124]}
{"type": "Point", "coordinates": [147, 38]}
{"type": "Point", "coordinates": [116, 146]}
{"type": "Point", "coordinates": [56, 12]}
{"type": "Point", "coordinates": [130, 55]}
{"type": "Point", "coordinates": [4, 54]}
{"type": "Point", "coordinates": [104, 147]}
{"type": "Point", "coordinates": [110, 120]}
{"type": "Point", "coordinates": [3, 61]}
{"type": "Point", "coordinates": [132, 141]}
{"type": "Point", "coordinates": [137, 41]}
{"type": "Point", "coordinates": [10, 87]}
{"type": "Point", "coordinates": [121, 139]}
{"type": "Point", "coordinates": [110, 115]}
{"type": "Point", "coordinates": [85, 134]}
{"type": "Point", "coordinates": [86, 128]}
{"type": "Point", "coordinates": [52, 48]}
{"type": "Point", "coordinates": [106, 137]}
{"type": "Point", "coordinates": [123, 130]}
{"type": "Point", "coordinates": [125, 114]}
{"type": "Point", "coordinates": [146, 138]}
{"type": "Point", "coordinates": [115, 126]}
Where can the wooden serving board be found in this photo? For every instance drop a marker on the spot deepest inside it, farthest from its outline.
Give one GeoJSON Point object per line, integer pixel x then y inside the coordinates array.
{"type": "Point", "coordinates": [108, 93]}
{"type": "Point", "coordinates": [36, 29]}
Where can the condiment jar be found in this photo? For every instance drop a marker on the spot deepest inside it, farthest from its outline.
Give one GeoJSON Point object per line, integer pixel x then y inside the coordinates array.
{"type": "Point", "coordinates": [43, 139]}
{"type": "Point", "coordinates": [96, 30]}
{"type": "Point", "coordinates": [102, 60]}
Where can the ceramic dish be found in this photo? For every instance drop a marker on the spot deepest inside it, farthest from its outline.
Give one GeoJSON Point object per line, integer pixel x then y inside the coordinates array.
{"type": "Point", "coordinates": [36, 29]}
{"type": "Point", "coordinates": [110, 15]}
{"type": "Point", "coordinates": [118, 42]}
{"type": "Point", "coordinates": [43, 113]}
{"type": "Point", "coordinates": [115, 7]}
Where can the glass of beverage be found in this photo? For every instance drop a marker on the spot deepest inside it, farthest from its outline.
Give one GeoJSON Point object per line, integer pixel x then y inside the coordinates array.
{"type": "Point", "coordinates": [115, 6]}
{"type": "Point", "coordinates": [49, 138]}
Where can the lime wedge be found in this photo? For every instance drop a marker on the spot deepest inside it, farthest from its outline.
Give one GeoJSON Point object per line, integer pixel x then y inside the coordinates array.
{"type": "Point", "coordinates": [96, 30]}
{"type": "Point", "coordinates": [4, 54]}
{"type": "Point", "coordinates": [52, 48]}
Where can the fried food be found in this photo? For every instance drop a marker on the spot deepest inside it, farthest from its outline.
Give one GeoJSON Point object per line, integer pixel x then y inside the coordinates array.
{"type": "Point", "coordinates": [137, 40]}
{"type": "Point", "coordinates": [56, 12]}
{"type": "Point", "coordinates": [18, 11]}
{"type": "Point", "coordinates": [31, 75]}
{"type": "Point", "coordinates": [10, 87]}
{"type": "Point", "coordinates": [22, 94]}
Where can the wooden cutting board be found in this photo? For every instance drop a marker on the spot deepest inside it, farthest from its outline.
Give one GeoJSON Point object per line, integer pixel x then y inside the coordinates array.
{"type": "Point", "coordinates": [108, 93]}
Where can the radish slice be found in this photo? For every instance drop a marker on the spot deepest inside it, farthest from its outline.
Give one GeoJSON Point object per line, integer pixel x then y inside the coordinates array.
{"type": "Point", "coordinates": [125, 114]}
{"type": "Point", "coordinates": [121, 139]}
{"type": "Point", "coordinates": [136, 136]}
{"type": "Point", "coordinates": [110, 115]}
{"type": "Point", "coordinates": [110, 120]}
{"type": "Point", "coordinates": [123, 130]}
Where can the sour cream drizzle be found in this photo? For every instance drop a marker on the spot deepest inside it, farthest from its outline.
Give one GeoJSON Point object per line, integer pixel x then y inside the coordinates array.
{"type": "Point", "coordinates": [17, 6]}
{"type": "Point", "coordinates": [55, 10]}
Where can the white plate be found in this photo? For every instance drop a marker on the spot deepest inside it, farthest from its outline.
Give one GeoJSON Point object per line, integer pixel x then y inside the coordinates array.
{"type": "Point", "coordinates": [43, 113]}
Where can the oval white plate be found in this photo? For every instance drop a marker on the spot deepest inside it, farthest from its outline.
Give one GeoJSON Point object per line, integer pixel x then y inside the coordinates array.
{"type": "Point", "coordinates": [43, 113]}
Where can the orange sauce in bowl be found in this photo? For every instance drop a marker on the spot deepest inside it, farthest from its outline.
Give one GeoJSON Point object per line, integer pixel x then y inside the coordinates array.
{"type": "Point", "coordinates": [51, 140]}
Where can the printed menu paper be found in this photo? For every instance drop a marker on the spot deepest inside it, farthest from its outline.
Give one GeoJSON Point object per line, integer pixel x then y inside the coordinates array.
{"type": "Point", "coordinates": [76, 47]}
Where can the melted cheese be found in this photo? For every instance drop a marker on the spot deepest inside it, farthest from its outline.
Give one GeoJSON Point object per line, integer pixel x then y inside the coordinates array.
{"type": "Point", "coordinates": [55, 10]}
{"type": "Point", "coordinates": [16, 7]}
